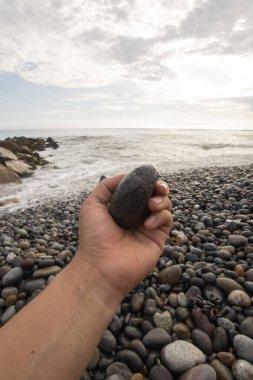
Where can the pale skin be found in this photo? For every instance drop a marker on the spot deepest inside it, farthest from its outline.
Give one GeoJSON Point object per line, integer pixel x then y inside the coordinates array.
{"type": "Point", "coordinates": [54, 336]}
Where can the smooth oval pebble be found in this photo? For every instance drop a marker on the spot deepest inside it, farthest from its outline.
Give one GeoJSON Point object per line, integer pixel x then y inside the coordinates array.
{"type": "Point", "coordinates": [243, 347]}
{"type": "Point", "coordinates": [242, 370]}
{"type": "Point", "coordinates": [8, 314]}
{"type": "Point", "coordinates": [223, 373]}
{"type": "Point", "coordinates": [156, 339]}
{"type": "Point", "coordinates": [200, 372]}
{"type": "Point", "coordinates": [180, 356]}
{"type": "Point", "coordinates": [159, 372]}
{"type": "Point", "coordinates": [171, 275]}
{"type": "Point", "coordinates": [227, 284]}
{"type": "Point", "coordinates": [130, 199]}
{"type": "Point", "coordinates": [246, 327]}
{"type": "Point", "coordinates": [239, 298]}
{"type": "Point", "coordinates": [120, 369]}
{"type": "Point", "coordinates": [131, 359]}
{"type": "Point", "coordinates": [202, 341]}
{"type": "Point", "coordinates": [13, 277]}
{"type": "Point", "coordinates": [107, 342]}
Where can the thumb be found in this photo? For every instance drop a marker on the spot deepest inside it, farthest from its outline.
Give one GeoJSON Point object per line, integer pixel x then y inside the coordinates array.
{"type": "Point", "coordinates": [104, 190]}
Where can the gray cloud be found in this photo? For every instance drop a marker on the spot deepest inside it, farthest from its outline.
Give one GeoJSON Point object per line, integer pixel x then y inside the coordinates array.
{"type": "Point", "coordinates": [128, 50]}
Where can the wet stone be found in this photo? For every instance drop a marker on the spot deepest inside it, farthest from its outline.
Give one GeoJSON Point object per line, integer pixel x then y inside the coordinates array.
{"type": "Point", "coordinates": [130, 199]}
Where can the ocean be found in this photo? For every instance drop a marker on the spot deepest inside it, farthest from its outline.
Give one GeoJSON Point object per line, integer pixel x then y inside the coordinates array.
{"type": "Point", "coordinates": [85, 154]}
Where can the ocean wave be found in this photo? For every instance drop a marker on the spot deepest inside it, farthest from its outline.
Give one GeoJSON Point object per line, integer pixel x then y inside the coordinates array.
{"type": "Point", "coordinates": [221, 146]}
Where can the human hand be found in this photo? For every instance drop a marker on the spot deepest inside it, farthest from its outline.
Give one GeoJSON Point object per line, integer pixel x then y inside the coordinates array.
{"type": "Point", "coordinates": [121, 258]}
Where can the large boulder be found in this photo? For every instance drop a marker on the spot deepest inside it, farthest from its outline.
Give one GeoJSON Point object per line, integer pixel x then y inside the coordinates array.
{"type": "Point", "coordinates": [7, 154]}
{"type": "Point", "coordinates": [6, 201]}
{"type": "Point", "coordinates": [8, 176]}
{"type": "Point", "coordinates": [19, 167]}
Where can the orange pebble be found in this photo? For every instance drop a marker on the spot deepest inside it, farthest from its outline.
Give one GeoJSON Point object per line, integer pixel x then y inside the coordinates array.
{"type": "Point", "coordinates": [137, 376]}
{"type": "Point", "coordinates": [239, 270]}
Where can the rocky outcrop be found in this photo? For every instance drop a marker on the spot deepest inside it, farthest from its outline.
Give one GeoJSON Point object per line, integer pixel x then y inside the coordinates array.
{"type": "Point", "coordinates": [19, 157]}
{"type": "Point", "coordinates": [8, 176]}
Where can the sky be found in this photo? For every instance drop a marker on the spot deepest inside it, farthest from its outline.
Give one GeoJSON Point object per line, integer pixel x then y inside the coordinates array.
{"type": "Point", "coordinates": [126, 63]}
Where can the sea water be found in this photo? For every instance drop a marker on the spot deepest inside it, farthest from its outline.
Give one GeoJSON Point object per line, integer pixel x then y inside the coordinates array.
{"type": "Point", "coordinates": [85, 154]}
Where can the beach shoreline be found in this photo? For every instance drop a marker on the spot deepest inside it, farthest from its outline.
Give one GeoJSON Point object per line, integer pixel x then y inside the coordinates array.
{"type": "Point", "coordinates": [209, 251]}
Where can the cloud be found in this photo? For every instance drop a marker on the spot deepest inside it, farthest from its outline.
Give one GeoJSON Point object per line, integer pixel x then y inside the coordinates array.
{"type": "Point", "coordinates": [163, 53]}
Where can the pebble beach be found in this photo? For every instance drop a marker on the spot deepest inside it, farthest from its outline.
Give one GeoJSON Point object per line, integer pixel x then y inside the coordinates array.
{"type": "Point", "coordinates": [192, 317]}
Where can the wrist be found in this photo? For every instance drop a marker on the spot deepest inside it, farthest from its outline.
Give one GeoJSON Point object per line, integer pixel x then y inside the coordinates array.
{"type": "Point", "coordinates": [90, 280]}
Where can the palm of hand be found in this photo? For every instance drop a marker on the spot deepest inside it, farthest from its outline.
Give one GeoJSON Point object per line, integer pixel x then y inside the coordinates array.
{"type": "Point", "coordinates": [123, 257]}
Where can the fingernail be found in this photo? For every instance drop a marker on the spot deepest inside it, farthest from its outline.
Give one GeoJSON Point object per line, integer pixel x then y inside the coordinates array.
{"type": "Point", "coordinates": [164, 184]}
{"type": "Point", "coordinates": [157, 200]}
{"type": "Point", "coordinates": [150, 221]}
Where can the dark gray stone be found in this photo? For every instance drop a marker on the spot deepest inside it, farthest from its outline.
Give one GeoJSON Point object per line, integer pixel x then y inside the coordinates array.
{"type": "Point", "coordinates": [8, 314]}
{"type": "Point", "coordinates": [200, 372]}
{"type": "Point", "coordinates": [159, 372]}
{"type": "Point", "coordinates": [37, 283]}
{"type": "Point", "coordinates": [130, 199]}
{"type": "Point", "coordinates": [237, 240]}
{"type": "Point", "coordinates": [131, 359]}
{"type": "Point", "coordinates": [107, 342]}
{"type": "Point", "coordinates": [120, 369]}
{"type": "Point", "coordinates": [246, 327]}
{"type": "Point", "coordinates": [13, 277]}
{"type": "Point", "coordinates": [156, 339]}
{"type": "Point", "coordinates": [243, 348]}
{"type": "Point", "coordinates": [202, 341]}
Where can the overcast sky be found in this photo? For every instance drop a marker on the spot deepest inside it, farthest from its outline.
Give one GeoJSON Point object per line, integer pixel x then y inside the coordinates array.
{"type": "Point", "coordinates": [126, 63]}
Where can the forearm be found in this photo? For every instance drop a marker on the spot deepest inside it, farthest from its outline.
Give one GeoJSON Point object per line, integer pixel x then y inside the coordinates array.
{"type": "Point", "coordinates": [54, 336]}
